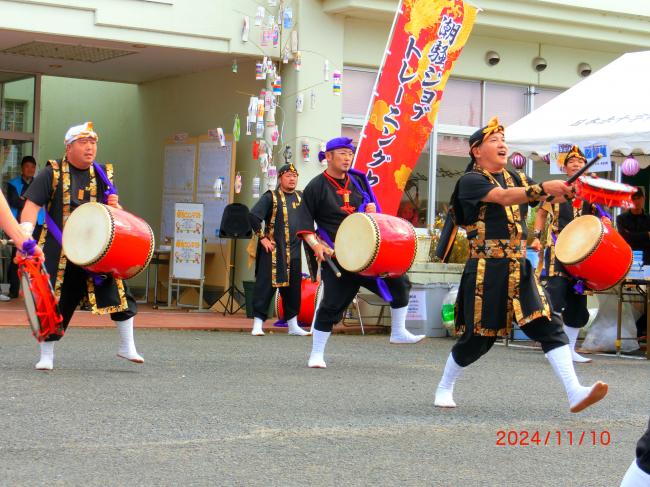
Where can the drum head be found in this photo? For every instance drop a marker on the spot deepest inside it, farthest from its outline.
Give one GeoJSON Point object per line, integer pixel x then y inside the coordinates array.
{"type": "Point", "coordinates": [357, 242]}
{"type": "Point", "coordinates": [578, 239]}
{"type": "Point", "coordinates": [607, 185]}
{"type": "Point", "coordinates": [87, 234]}
{"type": "Point", "coordinates": [30, 305]}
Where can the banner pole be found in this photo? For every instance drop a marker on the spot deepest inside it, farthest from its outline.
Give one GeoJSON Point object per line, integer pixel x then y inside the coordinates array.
{"type": "Point", "coordinates": [398, 12]}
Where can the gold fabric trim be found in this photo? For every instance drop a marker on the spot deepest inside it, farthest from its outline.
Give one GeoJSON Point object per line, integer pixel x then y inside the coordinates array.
{"type": "Point", "coordinates": [495, 249]}
{"type": "Point", "coordinates": [478, 293]}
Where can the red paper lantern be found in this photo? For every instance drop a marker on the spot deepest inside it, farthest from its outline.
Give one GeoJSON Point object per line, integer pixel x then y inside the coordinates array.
{"type": "Point", "coordinates": [546, 158]}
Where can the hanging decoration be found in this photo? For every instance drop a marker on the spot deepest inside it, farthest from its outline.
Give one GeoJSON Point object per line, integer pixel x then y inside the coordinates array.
{"type": "Point", "coordinates": [234, 66]}
{"type": "Point", "coordinates": [312, 99]}
{"type": "Point", "coordinates": [259, 71]}
{"type": "Point", "coordinates": [272, 175]}
{"type": "Point", "coordinates": [336, 82]}
{"type": "Point", "coordinates": [306, 156]}
{"type": "Point", "coordinates": [256, 150]}
{"type": "Point", "coordinates": [245, 30]}
{"type": "Point", "coordinates": [259, 16]}
{"type": "Point", "coordinates": [518, 160]}
{"type": "Point", "coordinates": [276, 35]}
{"type": "Point", "coordinates": [255, 187]}
{"type": "Point", "coordinates": [300, 102]}
{"type": "Point", "coordinates": [267, 36]}
{"type": "Point", "coordinates": [287, 18]}
{"type": "Point", "coordinates": [221, 137]}
{"type": "Point", "coordinates": [236, 128]}
{"type": "Point", "coordinates": [285, 55]}
{"type": "Point", "coordinates": [546, 158]}
{"type": "Point", "coordinates": [297, 60]}
{"type": "Point", "coordinates": [275, 135]}
{"type": "Point", "coordinates": [294, 41]}
{"type": "Point", "coordinates": [326, 70]}
{"type": "Point", "coordinates": [264, 162]}
{"type": "Point", "coordinates": [218, 187]}
{"type": "Point", "coordinates": [277, 86]}
{"type": "Point", "coordinates": [238, 183]}
{"type": "Point", "coordinates": [630, 166]}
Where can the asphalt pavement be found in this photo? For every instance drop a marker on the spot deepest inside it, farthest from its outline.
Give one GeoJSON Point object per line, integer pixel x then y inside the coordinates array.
{"type": "Point", "coordinates": [222, 409]}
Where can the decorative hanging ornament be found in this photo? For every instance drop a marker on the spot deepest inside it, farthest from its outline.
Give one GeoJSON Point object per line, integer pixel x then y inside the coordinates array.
{"type": "Point", "coordinates": [518, 160]}
{"type": "Point", "coordinates": [256, 150]}
{"type": "Point", "coordinates": [306, 156]}
{"type": "Point", "coordinates": [277, 86]}
{"type": "Point", "coordinates": [259, 71]}
{"type": "Point", "coordinates": [234, 66]}
{"type": "Point", "coordinates": [259, 130]}
{"type": "Point", "coordinates": [272, 174]}
{"type": "Point", "coordinates": [236, 128]}
{"type": "Point", "coordinates": [300, 102]}
{"type": "Point", "coordinates": [287, 18]}
{"type": "Point", "coordinates": [218, 187]}
{"type": "Point", "coordinates": [297, 60]}
{"type": "Point", "coordinates": [246, 28]}
{"type": "Point", "coordinates": [255, 187]}
{"type": "Point", "coordinates": [546, 158]}
{"type": "Point", "coordinates": [326, 70]}
{"type": "Point", "coordinates": [238, 183]}
{"type": "Point", "coordinates": [630, 166]}
{"type": "Point", "coordinates": [221, 137]}
{"type": "Point", "coordinates": [259, 15]}
{"type": "Point", "coordinates": [285, 55]}
{"type": "Point", "coordinates": [336, 82]}
{"type": "Point", "coordinates": [294, 41]}
{"type": "Point", "coordinates": [276, 35]}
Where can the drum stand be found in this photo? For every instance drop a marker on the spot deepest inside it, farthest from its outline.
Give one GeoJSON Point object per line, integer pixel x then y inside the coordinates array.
{"type": "Point", "coordinates": [233, 290]}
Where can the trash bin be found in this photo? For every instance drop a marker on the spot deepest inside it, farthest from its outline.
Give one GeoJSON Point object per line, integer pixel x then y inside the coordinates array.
{"type": "Point", "coordinates": [425, 305]}
{"type": "Point", "coordinates": [249, 287]}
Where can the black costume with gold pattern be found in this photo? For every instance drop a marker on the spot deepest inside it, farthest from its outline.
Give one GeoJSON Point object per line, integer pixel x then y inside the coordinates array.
{"type": "Point", "coordinates": [60, 188]}
{"type": "Point", "coordinates": [498, 285]}
{"type": "Point", "coordinates": [559, 283]}
{"type": "Point", "coordinates": [282, 267]}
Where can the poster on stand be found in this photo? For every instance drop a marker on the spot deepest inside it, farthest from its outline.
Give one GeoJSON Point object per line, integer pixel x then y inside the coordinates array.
{"type": "Point", "coordinates": [187, 250]}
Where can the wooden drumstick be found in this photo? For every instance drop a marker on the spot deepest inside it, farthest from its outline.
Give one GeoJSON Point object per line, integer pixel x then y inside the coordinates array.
{"type": "Point", "coordinates": [332, 265]}
{"type": "Point", "coordinates": [580, 172]}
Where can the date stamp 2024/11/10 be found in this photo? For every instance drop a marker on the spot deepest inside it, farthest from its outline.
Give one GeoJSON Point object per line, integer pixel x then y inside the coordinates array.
{"type": "Point", "coordinates": [525, 438]}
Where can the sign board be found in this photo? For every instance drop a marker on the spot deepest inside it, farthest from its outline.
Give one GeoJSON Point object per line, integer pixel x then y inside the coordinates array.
{"type": "Point", "coordinates": [187, 249]}
{"type": "Point", "coordinates": [417, 309]}
{"type": "Point", "coordinates": [590, 150]}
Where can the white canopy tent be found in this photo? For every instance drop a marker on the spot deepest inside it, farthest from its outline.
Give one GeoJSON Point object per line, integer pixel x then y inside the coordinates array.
{"type": "Point", "coordinates": [611, 105]}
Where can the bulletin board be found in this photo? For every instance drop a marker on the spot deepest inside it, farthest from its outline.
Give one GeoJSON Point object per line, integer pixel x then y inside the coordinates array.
{"type": "Point", "coordinates": [190, 169]}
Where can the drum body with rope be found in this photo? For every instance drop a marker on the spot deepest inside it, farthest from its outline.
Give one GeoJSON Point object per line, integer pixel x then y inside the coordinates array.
{"type": "Point", "coordinates": [591, 250]}
{"type": "Point", "coordinates": [40, 301]}
{"type": "Point", "coordinates": [309, 293]}
{"type": "Point", "coordinates": [604, 192]}
{"type": "Point", "coordinates": [375, 245]}
{"type": "Point", "coordinates": [107, 240]}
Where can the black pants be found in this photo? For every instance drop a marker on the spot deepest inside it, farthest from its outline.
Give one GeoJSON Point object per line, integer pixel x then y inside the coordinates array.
{"type": "Point", "coordinates": [338, 293]}
{"type": "Point", "coordinates": [12, 274]}
{"type": "Point", "coordinates": [565, 300]}
{"type": "Point", "coordinates": [642, 325]}
{"type": "Point", "coordinates": [470, 347]}
{"type": "Point", "coordinates": [74, 289]}
{"type": "Point", "coordinates": [643, 451]}
{"type": "Point", "coordinates": [264, 290]}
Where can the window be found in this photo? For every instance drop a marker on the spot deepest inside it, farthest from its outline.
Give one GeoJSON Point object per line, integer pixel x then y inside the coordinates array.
{"type": "Point", "coordinates": [508, 102]}
{"type": "Point", "coordinates": [461, 103]}
{"type": "Point", "coordinates": [13, 115]}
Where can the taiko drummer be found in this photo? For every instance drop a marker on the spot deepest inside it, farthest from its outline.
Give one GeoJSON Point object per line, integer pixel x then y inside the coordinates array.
{"type": "Point", "coordinates": [327, 200]}
{"type": "Point", "coordinates": [498, 285]}
{"type": "Point", "coordinates": [566, 297]}
{"type": "Point", "coordinates": [61, 187]}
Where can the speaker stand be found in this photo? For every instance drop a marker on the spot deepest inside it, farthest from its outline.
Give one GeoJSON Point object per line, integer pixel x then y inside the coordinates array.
{"type": "Point", "coordinates": [233, 290]}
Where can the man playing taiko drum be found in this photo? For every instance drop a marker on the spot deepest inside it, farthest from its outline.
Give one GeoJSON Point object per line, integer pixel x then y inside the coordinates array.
{"type": "Point", "coordinates": [499, 285]}
{"type": "Point", "coordinates": [560, 285]}
{"type": "Point", "coordinates": [61, 187]}
{"type": "Point", "coordinates": [327, 200]}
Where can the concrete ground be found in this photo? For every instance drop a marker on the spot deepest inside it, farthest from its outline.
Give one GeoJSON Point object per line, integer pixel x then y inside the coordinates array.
{"type": "Point", "coordinates": [212, 408]}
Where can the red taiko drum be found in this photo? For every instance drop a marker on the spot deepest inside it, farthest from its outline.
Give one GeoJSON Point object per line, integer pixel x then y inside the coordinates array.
{"type": "Point", "coordinates": [309, 294]}
{"type": "Point", "coordinates": [593, 251]}
{"type": "Point", "coordinates": [107, 240]}
{"type": "Point", "coordinates": [604, 192]}
{"type": "Point", "coordinates": [375, 245]}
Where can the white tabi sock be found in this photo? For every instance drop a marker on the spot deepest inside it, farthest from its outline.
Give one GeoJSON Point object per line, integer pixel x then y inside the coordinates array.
{"type": "Point", "coordinates": [580, 397]}
{"type": "Point", "coordinates": [47, 356]}
{"type": "Point", "coordinates": [257, 327]}
{"type": "Point", "coordinates": [127, 345]}
{"type": "Point", "coordinates": [294, 329]}
{"type": "Point", "coordinates": [319, 341]}
{"type": "Point", "coordinates": [445, 391]}
{"type": "Point", "coordinates": [573, 333]}
{"type": "Point", "coordinates": [398, 331]}
{"type": "Point", "coordinates": [635, 477]}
